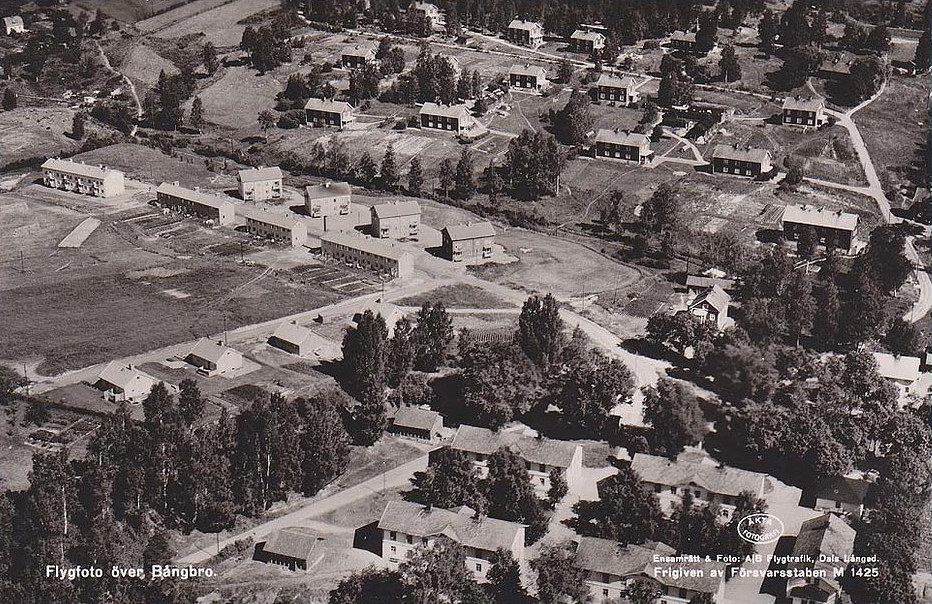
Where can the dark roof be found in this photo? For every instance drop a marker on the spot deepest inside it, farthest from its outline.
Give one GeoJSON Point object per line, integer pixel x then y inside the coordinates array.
{"type": "Point", "coordinates": [827, 535]}
{"type": "Point", "coordinates": [213, 200]}
{"type": "Point", "coordinates": [330, 106]}
{"type": "Point", "coordinates": [415, 519]}
{"type": "Point", "coordinates": [699, 281]}
{"type": "Point", "coordinates": [396, 209]}
{"type": "Point", "coordinates": [528, 70]}
{"type": "Point", "coordinates": [535, 450]}
{"type": "Point", "coordinates": [844, 489]}
{"type": "Point", "coordinates": [417, 418]}
{"type": "Point", "coordinates": [291, 543]}
{"type": "Point", "coordinates": [803, 104]}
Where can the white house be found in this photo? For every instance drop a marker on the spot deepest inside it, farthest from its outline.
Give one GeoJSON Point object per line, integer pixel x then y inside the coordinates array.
{"type": "Point", "coordinates": [841, 494]}
{"type": "Point", "coordinates": [213, 358]}
{"type": "Point", "coordinates": [94, 180]}
{"type": "Point", "coordinates": [14, 25]}
{"type": "Point", "coordinates": [900, 370]}
{"type": "Point", "coordinates": [257, 184]}
{"type": "Point", "coordinates": [124, 383]}
{"type": "Point", "coordinates": [298, 340]}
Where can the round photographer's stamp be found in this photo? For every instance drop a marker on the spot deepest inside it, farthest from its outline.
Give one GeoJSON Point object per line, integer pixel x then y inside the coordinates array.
{"type": "Point", "coordinates": [760, 528]}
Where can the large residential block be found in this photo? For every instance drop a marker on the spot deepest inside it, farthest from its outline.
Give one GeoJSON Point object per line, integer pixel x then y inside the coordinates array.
{"type": "Point", "coordinates": [611, 568]}
{"type": "Point", "coordinates": [258, 184]}
{"type": "Point", "coordinates": [623, 145]}
{"type": "Point", "coordinates": [453, 118]}
{"type": "Point", "coordinates": [820, 541]}
{"type": "Point", "coordinates": [275, 226]}
{"type": "Point", "coordinates": [741, 161]}
{"type": "Point", "coordinates": [806, 113]}
{"type": "Point", "coordinates": [833, 228]}
{"type": "Point", "coordinates": [327, 199]}
{"type": "Point", "coordinates": [406, 526]}
{"type": "Point", "coordinates": [470, 242]}
{"type": "Point", "coordinates": [587, 41]}
{"type": "Point", "coordinates": [209, 206]}
{"type": "Point", "coordinates": [528, 77]}
{"type": "Point", "coordinates": [78, 177]}
{"type": "Point", "coordinates": [367, 253]}
{"type": "Point", "coordinates": [540, 455]}
{"type": "Point", "coordinates": [708, 481]}
{"type": "Point", "coordinates": [324, 112]}
{"type": "Point", "coordinates": [396, 220]}
{"type": "Point", "coordinates": [613, 89]}
{"type": "Point", "coordinates": [526, 33]}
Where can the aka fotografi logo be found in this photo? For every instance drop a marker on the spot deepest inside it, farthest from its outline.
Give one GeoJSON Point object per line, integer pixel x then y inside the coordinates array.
{"type": "Point", "coordinates": [760, 528]}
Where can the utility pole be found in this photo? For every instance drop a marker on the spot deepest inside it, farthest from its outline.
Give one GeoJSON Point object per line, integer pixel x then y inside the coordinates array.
{"type": "Point", "coordinates": [26, 375]}
{"type": "Point", "coordinates": [225, 330]}
{"type": "Point", "coordinates": [242, 253]}
{"type": "Point", "coordinates": [22, 262]}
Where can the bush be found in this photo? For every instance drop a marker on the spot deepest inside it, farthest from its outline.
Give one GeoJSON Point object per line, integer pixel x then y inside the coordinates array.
{"type": "Point", "coordinates": [291, 119]}
{"type": "Point", "coordinates": [651, 44]}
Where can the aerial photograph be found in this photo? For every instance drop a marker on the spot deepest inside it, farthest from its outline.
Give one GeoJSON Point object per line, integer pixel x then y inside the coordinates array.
{"type": "Point", "coordinates": [465, 302]}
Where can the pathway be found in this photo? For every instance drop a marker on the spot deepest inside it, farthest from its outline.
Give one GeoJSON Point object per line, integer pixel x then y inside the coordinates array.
{"type": "Point", "coordinates": [132, 87]}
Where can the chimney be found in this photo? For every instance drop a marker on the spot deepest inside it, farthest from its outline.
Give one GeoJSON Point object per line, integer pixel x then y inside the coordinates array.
{"type": "Point", "coordinates": [196, 188]}
{"type": "Point", "coordinates": [428, 507]}
{"type": "Point", "coordinates": [175, 183]}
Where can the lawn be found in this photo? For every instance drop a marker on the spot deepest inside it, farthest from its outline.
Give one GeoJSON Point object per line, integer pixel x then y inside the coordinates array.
{"type": "Point", "coordinates": [235, 100]}
{"type": "Point", "coordinates": [143, 65]}
{"type": "Point", "coordinates": [460, 295]}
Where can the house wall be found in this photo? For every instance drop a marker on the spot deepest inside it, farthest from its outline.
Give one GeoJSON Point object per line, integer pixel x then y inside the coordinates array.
{"type": "Point", "coordinates": [409, 432]}
{"type": "Point", "coordinates": [396, 546]}
{"type": "Point", "coordinates": [831, 594]}
{"type": "Point", "coordinates": [797, 117]}
{"type": "Point", "coordinates": [527, 82]}
{"type": "Point", "coordinates": [261, 189]}
{"type": "Point", "coordinates": [700, 495]}
{"type": "Point", "coordinates": [108, 186]}
{"type": "Point", "coordinates": [317, 117]}
{"type": "Point", "coordinates": [295, 236]}
{"type": "Point", "coordinates": [842, 238]}
{"type": "Point", "coordinates": [465, 250]}
{"type": "Point", "coordinates": [289, 347]}
{"type": "Point", "coordinates": [223, 215]}
{"type": "Point", "coordinates": [739, 168]}
{"type": "Point", "coordinates": [327, 206]}
{"type": "Point", "coordinates": [402, 267]}
{"type": "Point", "coordinates": [396, 227]}
{"type": "Point", "coordinates": [830, 505]}
{"type": "Point", "coordinates": [353, 61]}
{"type": "Point", "coordinates": [628, 153]}
{"type": "Point", "coordinates": [441, 122]}
{"type": "Point", "coordinates": [616, 94]}
{"type": "Point", "coordinates": [524, 37]}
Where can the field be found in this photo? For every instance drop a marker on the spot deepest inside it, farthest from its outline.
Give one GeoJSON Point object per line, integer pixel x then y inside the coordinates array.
{"type": "Point", "coordinates": [175, 15]}
{"type": "Point", "coordinates": [144, 163]}
{"type": "Point", "coordinates": [35, 132]}
{"type": "Point", "coordinates": [235, 100]}
{"type": "Point", "coordinates": [220, 24]}
{"type": "Point", "coordinates": [129, 11]}
{"type": "Point", "coordinates": [143, 65]}
{"type": "Point", "coordinates": [893, 127]}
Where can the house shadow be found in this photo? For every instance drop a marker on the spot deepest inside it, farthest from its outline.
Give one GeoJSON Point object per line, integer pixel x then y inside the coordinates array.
{"type": "Point", "coordinates": [776, 586]}
{"type": "Point", "coordinates": [368, 538]}
{"type": "Point", "coordinates": [769, 236]}
{"type": "Point", "coordinates": [435, 251]}
{"type": "Point", "coordinates": [704, 168]}
{"type": "Point", "coordinates": [252, 140]}
{"type": "Point", "coordinates": [258, 552]}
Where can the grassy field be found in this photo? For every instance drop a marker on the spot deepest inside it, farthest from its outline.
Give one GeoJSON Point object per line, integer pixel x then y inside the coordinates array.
{"type": "Point", "coordinates": [151, 165]}
{"type": "Point", "coordinates": [457, 296]}
{"type": "Point", "coordinates": [35, 131]}
{"type": "Point", "coordinates": [235, 100]}
{"type": "Point", "coordinates": [143, 65]}
{"type": "Point", "coordinates": [129, 11]}
{"type": "Point", "coordinates": [175, 15]}
{"type": "Point", "coordinates": [220, 24]}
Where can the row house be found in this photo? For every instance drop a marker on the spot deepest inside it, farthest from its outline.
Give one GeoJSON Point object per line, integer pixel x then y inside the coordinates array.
{"type": "Point", "coordinates": [541, 455]}
{"type": "Point", "coordinates": [406, 526]}
{"type": "Point", "coordinates": [525, 33]}
{"type": "Point", "coordinates": [613, 89]}
{"type": "Point", "coordinates": [834, 228]}
{"type": "Point", "coordinates": [587, 41]}
{"type": "Point", "coordinates": [470, 242]}
{"type": "Point", "coordinates": [259, 184]}
{"type": "Point", "coordinates": [741, 161]}
{"type": "Point", "coordinates": [275, 226]}
{"type": "Point", "coordinates": [623, 145]}
{"type": "Point", "coordinates": [367, 253]}
{"type": "Point", "coordinates": [327, 199]}
{"type": "Point", "coordinates": [328, 113]}
{"type": "Point", "coordinates": [78, 177]}
{"type": "Point", "coordinates": [208, 206]}
{"type": "Point", "coordinates": [396, 220]}
{"type": "Point", "coordinates": [452, 118]}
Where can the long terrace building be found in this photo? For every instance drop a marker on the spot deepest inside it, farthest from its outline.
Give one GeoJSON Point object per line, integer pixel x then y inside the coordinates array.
{"type": "Point", "coordinates": [78, 177]}
{"type": "Point", "coordinates": [209, 206]}
{"type": "Point", "coordinates": [367, 253]}
{"type": "Point", "coordinates": [272, 225]}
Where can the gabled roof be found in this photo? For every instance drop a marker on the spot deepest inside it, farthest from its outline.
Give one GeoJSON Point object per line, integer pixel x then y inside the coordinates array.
{"type": "Point", "coordinates": [424, 6]}
{"type": "Point", "coordinates": [267, 217]}
{"type": "Point", "coordinates": [360, 50]}
{"type": "Point", "coordinates": [535, 450]}
{"type": "Point", "coordinates": [327, 189]}
{"type": "Point", "coordinates": [844, 489]}
{"type": "Point", "coordinates": [613, 81]}
{"type": "Point", "coordinates": [207, 349]}
{"type": "Point", "coordinates": [715, 296]}
{"type": "Point", "coordinates": [459, 111]}
{"type": "Point", "coordinates": [820, 217]}
{"type": "Point", "coordinates": [697, 281]}
{"type": "Point", "coordinates": [582, 34]}
{"type": "Point", "coordinates": [827, 534]}
{"type": "Point", "coordinates": [532, 26]}
{"type": "Point", "coordinates": [260, 174]}
{"type": "Point", "coordinates": [610, 557]}
{"type": "Point", "coordinates": [328, 105]}
{"type": "Point", "coordinates": [905, 368]}
{"type": "Point", "coordinates": [376, 247]}
{"type": "Point", "coordinates": [13, 21]}
{"type": "Point", "coordinates": [290, 543]}
{"type": "Point", "coordinates": [684, 36]}
{"type": "Point", "coordinates": [803, 104]}
{"type": "Point", "coordinates": [79, 168]}
{"type": "Point", "coordinates": [123, 376]}
{"type": "Point", "coordinates": [527, 69]}
{"type": "Point", "coordinates": [415, 519]}
{"type": "Point", "coordinates": [202, 197]}
{"type": "Point", "coordinates": [395, 209]}
{"type": "Point", "coordinates": [705, 473]}
{"type": "Point", "coordinates": [736, 153]}
{"type": "Point", "coordinates": [291, 332]}
{"type": "Point", "coordinates": [470, 230]}
{"type": "Point", "coordinates": [622, 137]}
{"type": "Point", "coordinates": [415, 417]}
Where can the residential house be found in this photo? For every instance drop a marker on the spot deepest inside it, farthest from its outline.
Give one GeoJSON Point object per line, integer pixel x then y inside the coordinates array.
{"type": "Point", "coordinates": [367, 253]}
{"type": "Point", "coordinates": [417, 423]}
{"type": "Point", "coordinates": [808, 112]}
{"type": "Point", "coordinates": [540, 455]}
{"type": "Point", "coordinates": [698, 283]}
{"type": "Point", "coordinates": [623, 145]}
{"type": "Point", "coordinates": [390, 313]}
{"type": "Point", "coordinates": [272, 225]}
{"type": "Point", "coordinates": [258, 184]}
{"type": "Point", "coordinates": [327, 199]}
{"type": "Point", "coordinates": [427, 11]}
{"type": "Point", "coordinates": [291, 548]}
{"type": "Point", "coordinates": [358, 55]}
{"type": "Point", "coordinates": [834, 229]}
{"type": "Point", "coordinates": [396, 220]}
{"type": "Point", "coordinates": [611, 569]}
{"type": "Point", "coordinates": [213, 358]}
{"type": "Point", "coordinates": [78, 177]}
{"type": "Point", "coordinates": [406, 525]}
{"type": "Point", "coordinates": [14, 25]}
{"type": "Point", "coordinates": [468, 242]}
{"type": "Point", "coordinates": [217, 208]}
{"type": "Point", "coordinates": [453, 118]}
{"type": "Point", "coordinates": [741, 161]}
{"type": "Point", "coordinates": [711, 306]}
{"type": "Point", "coordinates": [325, 112]}
{"type": "Point", "coordinates": [685, 41]}
{"type": "Point", "coordinates": [124, 383]}
{"type": "Point", "coordinates": [587, 41]}
{"type": "Point", "coordinates": [298, 340]}
{"type": "Point", "coordinates": [708, 481]}
{"type": "Point", "coordinates": [525, 33]}
{"type": "Point", "coordinates": [900, 370]}
{"type": "Point", "coordinates": [614, 89]}
{"type": "Point", "coordinates": [819, 542]}
{"type": "Point", "coordinates": [841, 494]}
{"type": "Point", "coordinates": [528, 77]}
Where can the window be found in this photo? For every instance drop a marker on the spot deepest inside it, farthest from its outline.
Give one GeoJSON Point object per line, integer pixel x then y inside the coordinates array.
{"type": "Point", "coordinates": [698, 494]}
{"type": "Point", "coordinates": [478, 568]}
{"type": "Point", "coordinates": [673, 490]}
{"type": "Point", "coordinates": [657, 488]}
{"type": "Point", "coordinates": [424, 540]}
{"type": "Point", "coordinates": [605, 592]}
{"type": "Point", "coordinates": [837, 504]}
{"type": "Point", "coordinates": [542, 480]}
{"type": "Point", "coordinates": [393, 549]}
{"type": "Point", "coordinates": [393, 535]}
{"type": "Point", "coordinates": [409, 539]}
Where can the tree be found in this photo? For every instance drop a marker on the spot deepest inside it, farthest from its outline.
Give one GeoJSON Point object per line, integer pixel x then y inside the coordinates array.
{"type": "Point", "coordinates": [77, 125]}
{"type": "Point", "coordinates": [794, 25]}
{"type": "Point", "coordinates": [886, 258]}
{"type": "Point", "coordinates": [415, 177]}
{"type": "Point", "coordinates": [707, 35]}
{"type": "Point", "coordinates": [196, 118]}
{"type": "Point", "coordinates": [510, 494]}
{"type": "Point", "coordinates": [626, 511]}
{"type": "Point", "coordinates": [533, 163]}
{"type": "Point", "coordinates": [464, 85]}
{"type": "Point", "coordinates": [400, 358]}
{"type": "Point", "coordinates": [574, 121]}
{"type": "Point", "coordinates": [662, 217]}
{"type": "Point", "coordinates": [364, 358]}
{"type": "Point", "coordinates": [819, 30]}
{"type": "Point", "coordinates": [855, 36]}
{"type": "Point", "coordinates": [366, 169]}
{"type": "Point", "coordinates": [541, 330]}
{"type": "Point", "coordinates": [866, 76]}
{"type": "Point", "coordinates": [505, 577]}
{"type": "Point", "coordinates": [558, 487]}
{"type": "Point", "coordinates": [768, 30]}
{"type": "Point", "coordinates": [923, 58]}
{"type": "Point", "coordinates": [802, 62]}
{"type": "Point", "coordinates": [678, 331]}
{"type": "Point", "coordinates": [9, 99]}
{"type": "Point", "coordinates": [498, 382]}
{"type": "Point", "coordinates": [389, 171]}
{"type": "Point", "coordinates": [903, 338]}
{"type": "Point", "coordinates": [565, 71]}
{"type": "Point", "coordinates": [324, 442]}
{"type": "Point", "coordinates": [674, 414]}
{"type": "Point", "coordinates": [394, 61]}
{"type": "Point", "coordinates": [643, 592]}
{"type": "Point", "coordinates": [493, 183]}
{"type": "Point", "coordinates": [437, 574]}
{"type": "Point", "coordinates": [190, 406]}
{"type": "Point", "coordinates": [729, 65]}
{"type": "Point", "coordinates": [465, 182]}
{"type": "Point", "coordinates": [827, 313]}
{"type": "Point", "coordinates": [209, 57]}
{"type": "Point", "coordinates": [558, 577]}
{"type": "Point", "coordinates": [364, 83]}
{"type": "Point", "coordinates": [446, 176]}
{"type": "Point", "coordinates": [675, 89]}
{"type": "Point", "coordinates": [432, 333]}
{"type": "Point", "coordinates": [10, 382]}
{"type": "Point", "coordinates": [449, 481]}
{"type": "Point", "coordinates": [879, 39]}
{"type": "Point", "coordinates": [591, 389]}
{"type": "Point", "coordinates": [799, 306]}
{"type": "Point", "coordinates": [651, 113]}
{"type": "Point", "coordinates": [864, 309]}
{"type": "Point", "coordinates": [369, 586]}
{"type": "Point", "coordinates": [267, 121]}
